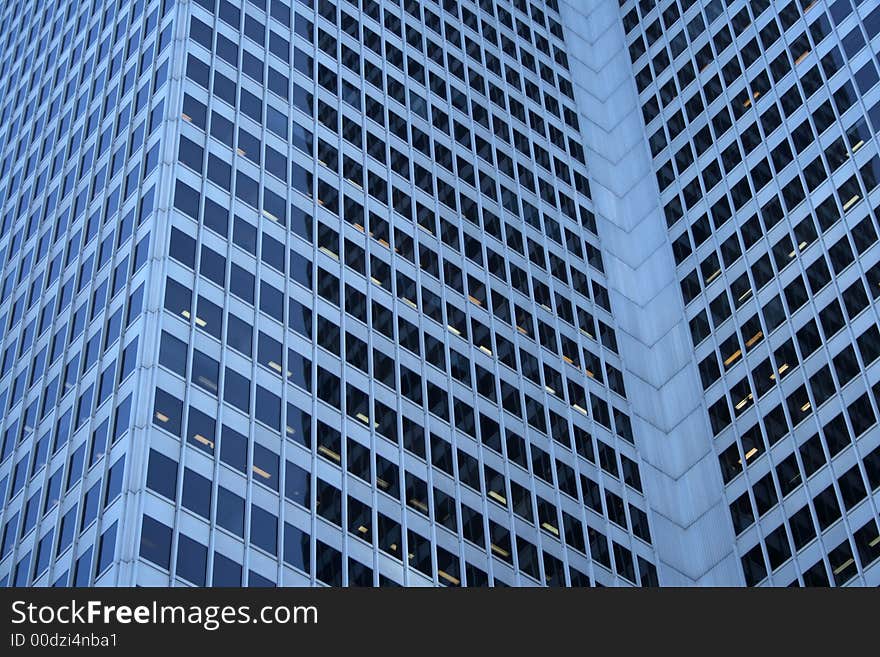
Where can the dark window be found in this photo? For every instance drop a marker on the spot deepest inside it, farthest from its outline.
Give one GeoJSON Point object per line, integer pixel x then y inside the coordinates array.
{"type": "Point", "coordinates": [155, 542]}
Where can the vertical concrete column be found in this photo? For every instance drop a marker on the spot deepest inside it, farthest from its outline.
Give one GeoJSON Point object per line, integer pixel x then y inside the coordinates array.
{"type": "Point", "coordinates": [690, 522]}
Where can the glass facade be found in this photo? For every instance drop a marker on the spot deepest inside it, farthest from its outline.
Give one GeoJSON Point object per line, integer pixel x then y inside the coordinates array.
{"type": "Point", "coordinates": [762, 120]}
{"type": "Point", "coordinates": [328, 292]}
{"type": "Point", "coordinates": [365, 337]}
{"type": "Point", "coordinates": [85, 91]}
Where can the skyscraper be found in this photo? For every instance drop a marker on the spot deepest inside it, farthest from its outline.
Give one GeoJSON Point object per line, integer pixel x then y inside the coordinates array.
{"type": "Point", "coordinates": [439, 292]}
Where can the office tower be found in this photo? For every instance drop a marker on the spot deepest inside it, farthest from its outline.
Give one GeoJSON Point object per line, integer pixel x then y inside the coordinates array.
{"type": "Point", "coordinates": [435, 292]}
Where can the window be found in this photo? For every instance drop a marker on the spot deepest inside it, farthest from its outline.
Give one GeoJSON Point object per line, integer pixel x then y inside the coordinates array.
{"type": "Point", "coordinates": [168, 412]}
{"type": "Point", "coordinates": [226, 571]}
{"type": "Point", "coordinates": [106, 549]}
{"type": "Point", "coordinates": [178, 299]}
{"type": "Point", "coordinates": [162, 475]}
{"type": "Point", "coordinates": [230, 511]}
{"type": "Point", "coordinates": [192, 560]}
{"type": "Point", "coordinates": [264, 529]}
{"type": "Point", "coordinates": [296, 547]}
{"type": "Point", "coordinates": [297, 484]}
{"type": "Point", "coordinates": [268, 408]}
{"type": "Point", "coordinates": [201, 430]}
{"type": "Point", "coordinates": [155, 542]}
{"type": "Point", "coordinates": [196, 493]}
{"type": "Point", "coordinates": [233, 449]}
{"type": "Point", "coordinates": [187, 200]}
{"type": "Point", "coordinates": [182, 248]}
{"type": "Point", "coordinates": [236, 390]}
{"type": "Point", "coordinates": [173, 354]}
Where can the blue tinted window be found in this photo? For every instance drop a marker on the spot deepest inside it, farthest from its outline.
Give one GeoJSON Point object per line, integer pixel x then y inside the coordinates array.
{"type": "Point", "coordinates": [230, 511]}
{"type": "Point", "coordinates": [226, 571]}
{"type": "Point", "coordinates": [155, 542]}
{"type": "Point", "coordinates": [168, 412]}
{"type": "Point", "coordinates": [114, 480]}
{"type": "Point", "coordinates": [296, 547]}
{"type": "Point", "coordinates": [192, 560]}
{"type": "Point", "coordinates": [106, 548]}
{"type": "Point", "coordinates": [162, 475]}
{"type": "Point", "coordinates": [82, 572]}
{"type": "Point", "coordinates": [264, 529]}
{"type": "Point", "coordinates": [196, 493]}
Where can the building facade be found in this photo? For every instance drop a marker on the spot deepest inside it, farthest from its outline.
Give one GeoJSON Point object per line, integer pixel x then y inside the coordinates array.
{"type": "Point", "coordinates": [761, 120]}
{"type": "Point", "coordinates": [439, 292]}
